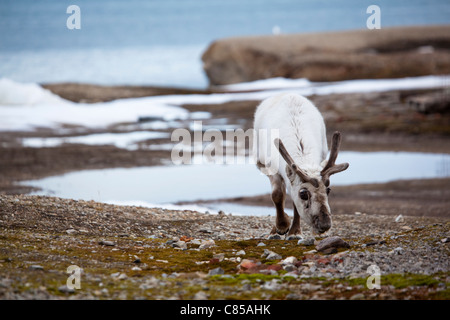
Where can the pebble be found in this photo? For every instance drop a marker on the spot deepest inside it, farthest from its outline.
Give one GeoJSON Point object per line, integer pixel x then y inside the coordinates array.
{"type": "Point", "coordinates": [207, 244]}
{"type": "Point", "coordinates": [240, 253]}
{"type": "Point", "coordinates": [107, 243]}
{"type": "Point", "coordinates": [261, 244]}
{"type": "Point", "coordinates": [219, 256]}
{"type": "Point", "coordinates": [358, 296]}
{"type": "Point", "coordinates": [180, 244]}
{"type": "Point", "coordinates": [270, 255]}
{"type": "Point", "coordinates": [36, 267]}
{"type": "Point", "coordinates": [288, 260]}
{"type": "Point", "coordinates": [66, 289]}
{"type": "Point", "coordinates": [332, 242]}
{"type": "Point", "coordinates": [216, 271]}
{"type": "Point", "coordinates": [122, 276]}
{"type": "Point", "coordinates": [247, 264]}
{"type": "Point", "coordinates": [200, 295]}
{"type": "Point", "coordinates": [71, 231]}
{"type": "Point", "coordinates": [272, 285]}
{"type": "Point", "coordinates": [306, 242]}
{"type": "Point", "coordinates": [293, 296]}
{"type": "Point", "coordinates": [196, 242]}
{"type": "Point", "coordinates": [399, 218]}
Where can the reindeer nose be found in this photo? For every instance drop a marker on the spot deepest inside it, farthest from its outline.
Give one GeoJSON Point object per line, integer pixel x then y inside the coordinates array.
{"type": "Point", "coordinates": [322, 221]}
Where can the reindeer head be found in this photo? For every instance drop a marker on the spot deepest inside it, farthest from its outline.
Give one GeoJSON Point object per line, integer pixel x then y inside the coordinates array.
{"type": "Point", "coordinates": [310, 193]}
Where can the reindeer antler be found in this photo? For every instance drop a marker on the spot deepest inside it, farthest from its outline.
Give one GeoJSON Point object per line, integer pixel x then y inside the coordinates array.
{"type": "Point", "coordinates": [332, 168]}
{"type": "Point", "coordinates": [287, 157]}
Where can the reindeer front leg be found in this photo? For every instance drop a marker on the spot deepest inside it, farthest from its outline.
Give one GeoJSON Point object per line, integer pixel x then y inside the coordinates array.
{"type": "Point", "coordinates": [295, 232]}
{"type": "Point", "coordinates": [282, 221]}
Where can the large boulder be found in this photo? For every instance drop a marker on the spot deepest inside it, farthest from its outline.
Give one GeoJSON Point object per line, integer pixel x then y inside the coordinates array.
{"type": "Point", "coordinates": [384, 53]}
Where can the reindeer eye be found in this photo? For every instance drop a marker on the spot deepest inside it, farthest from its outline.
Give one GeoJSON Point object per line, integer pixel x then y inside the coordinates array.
{"type": "Point", "coordinates": [304, 195]}
{"type": "Point", "coordinates": [328, 190]}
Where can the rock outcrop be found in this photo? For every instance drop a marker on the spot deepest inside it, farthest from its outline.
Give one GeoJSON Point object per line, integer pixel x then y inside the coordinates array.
{"type": "Point", "coordinates": [384, 53]}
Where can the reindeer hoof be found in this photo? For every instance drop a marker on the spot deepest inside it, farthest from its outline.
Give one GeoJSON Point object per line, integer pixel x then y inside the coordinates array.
{"type": "Point", "coordinates": [294, 237]}
{"type": "Point", "coordinates": [274, 237]}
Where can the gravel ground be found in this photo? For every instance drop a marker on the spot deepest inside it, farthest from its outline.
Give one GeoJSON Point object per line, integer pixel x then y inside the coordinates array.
{"type": "Point", "coordinates": [149, 253]}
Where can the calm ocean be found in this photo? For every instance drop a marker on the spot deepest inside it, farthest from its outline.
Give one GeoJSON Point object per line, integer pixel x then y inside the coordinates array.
{"type": "Point", "coordinates": [161, 42]}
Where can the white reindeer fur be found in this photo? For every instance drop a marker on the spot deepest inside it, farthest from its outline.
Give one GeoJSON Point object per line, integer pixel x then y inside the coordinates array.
{"type": "Point", "coordinates": [297, 120]}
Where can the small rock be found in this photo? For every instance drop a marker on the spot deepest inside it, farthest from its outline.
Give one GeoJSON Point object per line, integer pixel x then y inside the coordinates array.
{"type": "Point", "coordinates": [331, 242]}
{"type": "Point", "coordinates": [136, 269]}
{"type": "Point", "coordinates": [71, 231]}
{"type": "Point", "coordinates": [289, 260]}
{"type": "Point", "coordinates": [398, 250]}
{"type": "Point", "coordinates": [216, 271]}
{"type": "Point", "coordinates": [445, 240]}
{"type": "Point", "coordinates": [358, 296]}
{"type": "Point", "coordinates": [261, 244]}
{"type": "Point", "coordinates": [272, 285]}
{"type": "Point", "coordinates": [310, 251]}
{"type": "Point", "coordinates": [357, 213]}
{"type": "Point", "coordinates": [270, 255]}
{"type": "Point", "coordinates": [36, 267]}
{"type": "Point", "coordinates": [170, 242]}
{"type": "Point", "coordinates": [66, 289]}
{"type": "Point", "coordinates": [240, 253]}
{"type": "Point", "coordinates": [136, 259]}
{"type": "Point", "coordinates": [289, 267]}
{"type": "Point", "coordinates": [306, 242]}
{"type": "Point", "coordinates": [122, 276]}
{"type": "Point", "coordinates": [162, 261]}
{"type": "Point", "coordinates": [200, 295]}
{"type": "Point", "coordinates": [399, 218]}
{"type": "Point", "coordinates": [107, 243]}
{"type": "Point", "coordinates": [247, 264]}
{"type": "Point", "coordinates": [293, 296]}
{"type": "Point", "coordinates": [219, 256]}
{"type": "Point", "coordinates": [180, 244]}
{"type": "Point", "coordinates": [207, 244]}
{"type": "Point", "coordinates": [247, 287]}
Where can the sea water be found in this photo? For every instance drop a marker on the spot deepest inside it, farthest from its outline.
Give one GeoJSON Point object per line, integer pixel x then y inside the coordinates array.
{"type": "Point", "coordinates": [161, 42]}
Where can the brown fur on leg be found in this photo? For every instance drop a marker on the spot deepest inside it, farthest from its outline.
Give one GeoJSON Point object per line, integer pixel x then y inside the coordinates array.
{"type": "Point", "coordinates": [282, 221]}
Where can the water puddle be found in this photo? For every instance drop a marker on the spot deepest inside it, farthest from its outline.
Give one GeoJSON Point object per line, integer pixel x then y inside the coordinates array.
{"type": "Point", "coordinates": [165, 185]}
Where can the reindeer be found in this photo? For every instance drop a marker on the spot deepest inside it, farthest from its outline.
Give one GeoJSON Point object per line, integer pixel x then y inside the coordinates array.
{"type": "Point", "coordinates": [303, 169]}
